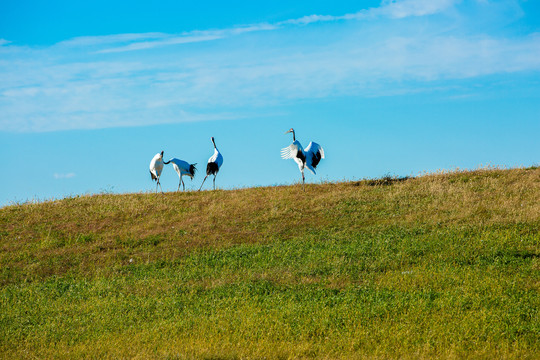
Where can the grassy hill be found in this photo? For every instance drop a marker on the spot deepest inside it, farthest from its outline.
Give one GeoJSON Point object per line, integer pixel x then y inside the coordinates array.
{"type": "Point", "coordinates": [443, 265]}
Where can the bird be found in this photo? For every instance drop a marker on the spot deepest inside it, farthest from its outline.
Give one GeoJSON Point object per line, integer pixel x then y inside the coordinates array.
{"type": "Point", "coordinates": [214, 163]}
{"type": "Point", "coordinates": [156, 166]}
{"type": "Point", "coordinates": [182, 168]}
{"type": "Point", "coordinates": [308, 157]}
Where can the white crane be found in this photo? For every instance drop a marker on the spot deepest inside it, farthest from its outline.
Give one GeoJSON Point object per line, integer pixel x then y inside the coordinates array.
{"type": "Point", "coordinates": [310, 157]}
{"type": "Point", "coordinates": [156, 166]}
{"type": "Point", "coordinates": [214, 163]}
{"type": "Point", "coordinates": [182, 168]}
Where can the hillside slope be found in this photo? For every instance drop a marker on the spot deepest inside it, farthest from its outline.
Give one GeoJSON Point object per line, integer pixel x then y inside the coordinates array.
{"type": "Point", "coordinates": [443, 265]}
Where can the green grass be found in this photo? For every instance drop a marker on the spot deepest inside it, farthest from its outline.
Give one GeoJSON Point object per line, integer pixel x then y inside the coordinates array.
{"type": "Point", "coordinates": [441, 266]}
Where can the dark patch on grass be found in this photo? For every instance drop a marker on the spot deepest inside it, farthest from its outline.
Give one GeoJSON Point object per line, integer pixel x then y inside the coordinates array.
{"type": "Point", "coordinates": [133, 243]}
{"type": "Point", "coordinates": [474, 176]}
{"type": "Point", "coordinates": [86, 238]}
{"type": "Point", "coordinates": [221, 357]}
{"type": "Point", "coordinates": [460, 179]}
{"type": "Point", "coordinates": [384, 181]}
{"type": "Point", "coordinates": [506, 257]}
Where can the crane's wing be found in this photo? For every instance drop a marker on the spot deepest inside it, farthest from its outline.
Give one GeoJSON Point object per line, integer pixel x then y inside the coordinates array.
{"type": "Point", "coordinates": [314, 153]}
{"type": "Point", "coordinates": [153, 167]}
{"type": "Point", "coordinates": [219, 159]}
{"type": "Point", "coordinates": [181, 164]}
{"type": "Point", "coordinates": [291, 151]}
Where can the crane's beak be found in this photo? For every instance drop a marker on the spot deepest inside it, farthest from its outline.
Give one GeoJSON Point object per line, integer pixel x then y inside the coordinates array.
{"type": "Point", "coordinates": [288, 131]}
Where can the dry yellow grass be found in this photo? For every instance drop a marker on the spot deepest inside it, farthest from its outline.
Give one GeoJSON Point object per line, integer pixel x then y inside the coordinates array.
{"type": "Point", "coordinates": [96, 232]}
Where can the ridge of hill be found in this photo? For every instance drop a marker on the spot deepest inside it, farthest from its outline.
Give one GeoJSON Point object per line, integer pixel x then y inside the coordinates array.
{"type": "Point", "coordinates": [443, 265]}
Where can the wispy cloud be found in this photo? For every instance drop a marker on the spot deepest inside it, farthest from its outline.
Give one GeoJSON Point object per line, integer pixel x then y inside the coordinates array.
{"type": "Point", "coordinates": [190, 37]}
{"type": "Point", "coordinates": [111, 39]}
{"type": "Point", "coordinates": [153, 44]}
{"type": "Point", "coordinates": [389, 8]}
{"type": "Point", "coordinates": [95, 82]}
{"type": "Point", "coordinates": [144, 41]}
{"type": "Point", "coordinates": [406, 8]}
{"type": "Point", "coordinates": [64, 176]}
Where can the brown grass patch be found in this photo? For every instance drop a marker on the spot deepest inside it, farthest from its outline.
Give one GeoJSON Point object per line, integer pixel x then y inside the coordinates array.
{"type": "Point", "coordinates": [103, 231]}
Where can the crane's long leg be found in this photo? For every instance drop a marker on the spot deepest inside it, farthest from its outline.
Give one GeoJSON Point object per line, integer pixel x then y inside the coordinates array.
{"type": "Point", "coordinates": [158, 183]}
{"type": "Point", "coordinates": [183, 185]}
{"type": "Point", "coordinates": [179, 184]}
{"type": "Point", "coordinates": [303, 181]}
{"type": "Point", "coordinates": [203, 182]}
{"type": "Point", "coordinates": [214, 182]}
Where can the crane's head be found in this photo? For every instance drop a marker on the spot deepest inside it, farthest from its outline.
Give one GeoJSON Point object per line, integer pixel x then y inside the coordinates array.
{"type": "Point", "coordinates": [161, 153]}
{"type": "Point", "coordinates": [291, 130]}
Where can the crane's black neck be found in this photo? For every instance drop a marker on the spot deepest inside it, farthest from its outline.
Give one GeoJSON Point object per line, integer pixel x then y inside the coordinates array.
{"type": "Point", "coordinates": [213, 142]}
{"type": "Point", "coordinates": [293, 137]}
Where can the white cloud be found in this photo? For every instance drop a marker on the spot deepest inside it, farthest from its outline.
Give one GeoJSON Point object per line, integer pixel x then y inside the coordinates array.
{"type": "Point", "coordinates": [405, 8]}
{"type": "Point", "coordinates": [63, 176]}
{"type": "Point", "coordinates": [4, 42]}
{"type": "Point", "coordinates": [389, 8]}
{"type": "Point", "coordinates": [111, 39]}
{"type": "Point", "coordinates": [96, 82]}
{"type": "Point", "coordinates": [309, 19]}
{"type": "Point", "coordinates": [153, 44]}
{"type": "Point", "coordinates": [145, 41]}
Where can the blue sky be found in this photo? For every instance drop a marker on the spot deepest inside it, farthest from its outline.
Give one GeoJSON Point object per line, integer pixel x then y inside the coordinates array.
{"type": "Point", "coordinates": [90, 92]}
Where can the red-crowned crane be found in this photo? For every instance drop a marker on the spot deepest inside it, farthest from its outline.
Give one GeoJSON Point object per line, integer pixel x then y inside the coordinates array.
{"type": "Point", "coordinates": [182, 168]}
{"type": "Point", "coordinates": [310, 157]}
{"type": "Point", "coordinates": [156, 166]}
{"type": "Point", "coordinates": [214, 163]}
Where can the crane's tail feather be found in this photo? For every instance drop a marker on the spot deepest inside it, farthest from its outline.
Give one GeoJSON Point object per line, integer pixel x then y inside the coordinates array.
{"type": "Point", "coordinates": [153, 176]}
{"type": "Point", "coordinates": [316, 158]}
{"type": "Point", "coordinates": [212, 168]}
{"type": "Point", "coordinates": [192, 170]}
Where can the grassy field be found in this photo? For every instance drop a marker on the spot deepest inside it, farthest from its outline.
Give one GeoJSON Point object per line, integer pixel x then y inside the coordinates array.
{"type": "Point", "coordinates": [439, 266]}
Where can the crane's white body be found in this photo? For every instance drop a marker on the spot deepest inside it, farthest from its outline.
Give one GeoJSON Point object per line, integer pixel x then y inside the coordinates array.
{"type": "Point", "coordinates": [304, 158]}
{"type": "Point", "coordinates": [213, 165]}
{"type": "Point", "coordinates": [216, 158]}
{"type": "Point", "coordinates": [182, 168]}
{"type": "Point", "coordinates": [156, 167]}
